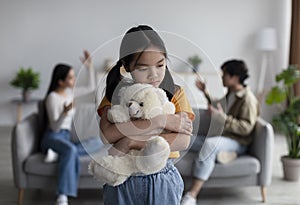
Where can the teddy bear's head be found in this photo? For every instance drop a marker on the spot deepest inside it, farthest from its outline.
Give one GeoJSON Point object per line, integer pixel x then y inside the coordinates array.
{"type": "Point", "coordinates": [140, 101]}
{"type": "Point", "coordinates": [144, 104]}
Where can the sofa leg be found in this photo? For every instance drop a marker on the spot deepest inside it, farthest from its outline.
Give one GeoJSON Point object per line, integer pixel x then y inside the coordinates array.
{"type": "Point", "coordinates": [263, 190]}
{"type": "Point", "coordinates": [20, 197]}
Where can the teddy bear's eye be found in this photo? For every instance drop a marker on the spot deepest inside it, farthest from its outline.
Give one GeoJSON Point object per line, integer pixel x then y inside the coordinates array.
{"type": "Point", "coordinates": [141, 104]}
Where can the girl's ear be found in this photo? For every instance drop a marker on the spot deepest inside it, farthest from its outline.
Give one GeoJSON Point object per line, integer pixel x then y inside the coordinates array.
{"type": "Point", "coordinates": [126, 67]}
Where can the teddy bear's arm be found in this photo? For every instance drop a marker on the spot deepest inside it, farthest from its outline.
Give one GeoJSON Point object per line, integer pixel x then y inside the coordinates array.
{"type": "Point", "coordinates": [111, 133]}
{"type": "Point", "coordinates": [118, 114]}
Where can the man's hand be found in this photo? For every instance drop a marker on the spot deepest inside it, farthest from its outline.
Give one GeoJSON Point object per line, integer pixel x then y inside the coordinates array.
{"type": "Point", "coordinates": [200, 85]}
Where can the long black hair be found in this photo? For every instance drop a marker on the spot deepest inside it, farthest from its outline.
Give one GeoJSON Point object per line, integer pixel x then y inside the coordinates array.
{"type": "Point", "coordinates": [60, 72]}
{"type": "Point", "coordinates": [135, 41]}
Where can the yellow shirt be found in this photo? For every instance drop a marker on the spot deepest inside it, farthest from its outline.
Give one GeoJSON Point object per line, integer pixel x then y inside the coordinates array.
{"type": "Point", "coordinates": [180, 101]}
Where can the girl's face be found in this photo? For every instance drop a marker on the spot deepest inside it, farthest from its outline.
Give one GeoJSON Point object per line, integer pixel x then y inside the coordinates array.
{"type": "Point", "coordinates": [69, 82]}
{"type": "Point", "coordinates": [149, 68]}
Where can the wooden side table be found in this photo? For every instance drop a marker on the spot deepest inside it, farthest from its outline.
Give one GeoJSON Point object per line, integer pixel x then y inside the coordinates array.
{"type": "Point", "coordinates": [20, 103]}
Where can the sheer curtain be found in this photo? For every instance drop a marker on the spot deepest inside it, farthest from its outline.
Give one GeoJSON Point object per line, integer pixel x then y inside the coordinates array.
{"type": "Point", "coordinates": [295, 41]}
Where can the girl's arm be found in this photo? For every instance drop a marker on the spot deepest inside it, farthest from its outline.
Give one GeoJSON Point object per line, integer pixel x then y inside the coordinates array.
{"type": "Point", "coordinates": [177, 142]}
{"type": "Point", "coordinates": [112, 133]}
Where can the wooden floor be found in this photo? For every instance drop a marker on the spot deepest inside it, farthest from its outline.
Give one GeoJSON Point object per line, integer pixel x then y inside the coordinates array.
{"type": "Point", "coordinates": [279, 193]}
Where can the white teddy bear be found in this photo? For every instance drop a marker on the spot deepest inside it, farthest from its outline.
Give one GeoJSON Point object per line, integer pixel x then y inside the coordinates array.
{"type": "Point", "coordinates": [138, 101]}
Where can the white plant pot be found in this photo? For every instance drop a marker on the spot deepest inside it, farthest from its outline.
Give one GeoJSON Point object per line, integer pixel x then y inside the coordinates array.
{"type": "Point", "coordinates": [291, 168]}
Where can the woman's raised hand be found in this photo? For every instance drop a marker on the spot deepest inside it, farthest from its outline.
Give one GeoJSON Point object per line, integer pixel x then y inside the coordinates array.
{"type": "Point", "coordinates": [86, 59]}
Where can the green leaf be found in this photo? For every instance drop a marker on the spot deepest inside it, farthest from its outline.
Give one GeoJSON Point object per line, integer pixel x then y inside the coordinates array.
{"type": "Point", "coordinates": [289, 76]}
{"type": "Point", "coordinates": [287, 121]}
{"type": "Point", "coordinates": [295, 106]}
{"type": "Point", "coordinates": [275, 95]}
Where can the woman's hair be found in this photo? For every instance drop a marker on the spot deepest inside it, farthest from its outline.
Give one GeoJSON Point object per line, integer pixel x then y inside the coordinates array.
{"type": "Point", "coordinates": [135, 41]}
{"type": "Point", "coordinates": [60, 72]}
{"type": "Point", "coordinates": [237, 68]}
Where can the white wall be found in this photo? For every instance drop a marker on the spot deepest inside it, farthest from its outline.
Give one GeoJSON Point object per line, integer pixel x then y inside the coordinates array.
{"type": "Point", "coordinates": [40, 34]}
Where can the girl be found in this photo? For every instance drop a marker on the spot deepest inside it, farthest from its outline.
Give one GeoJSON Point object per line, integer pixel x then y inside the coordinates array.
{"type": "Point", "coordinates": [59, 103]}
{"type": "Point", "coordinates": [143, 55]}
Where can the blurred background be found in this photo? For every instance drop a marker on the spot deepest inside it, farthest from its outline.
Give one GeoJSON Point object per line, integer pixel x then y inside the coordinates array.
{"type": "Point", "coordinates": [41, 34]}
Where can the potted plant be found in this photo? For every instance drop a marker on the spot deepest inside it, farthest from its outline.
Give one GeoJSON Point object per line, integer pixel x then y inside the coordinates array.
{"type": "Point", "coordinates": [195, 61]}
{"type": "Point", "coordinates": [286, 121]}
{"type": "Point", "coordinates": [27, 80]}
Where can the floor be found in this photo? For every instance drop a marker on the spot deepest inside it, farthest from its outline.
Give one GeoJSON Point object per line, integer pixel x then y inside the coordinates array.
{"type": "Point", "coordinates": [279, 193]}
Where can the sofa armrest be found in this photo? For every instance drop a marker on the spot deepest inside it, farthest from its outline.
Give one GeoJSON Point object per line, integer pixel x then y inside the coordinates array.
{"type": "Point", "coordinates": [24, 143]}
{"type": "Point", "coordinates": [262, 148]}
{"type": "Point", "coordinates": [205, 124]}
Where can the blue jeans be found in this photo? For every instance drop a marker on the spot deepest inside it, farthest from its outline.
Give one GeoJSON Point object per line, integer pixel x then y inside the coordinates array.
{"type": "Point", "coordinates": [68, 163]}
{"type": "Point", "coordinates": [164, 187]}
{"type": "Point", "coordinates": [208, 150]}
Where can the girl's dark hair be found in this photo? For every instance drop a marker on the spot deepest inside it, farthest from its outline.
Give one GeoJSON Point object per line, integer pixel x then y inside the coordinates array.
{"type": "Point", "coordinates": [237, 68]}
{"type": "Point", "coordinates": [60, 72]}
{"type": "Point", "coordinates": [135, 41]}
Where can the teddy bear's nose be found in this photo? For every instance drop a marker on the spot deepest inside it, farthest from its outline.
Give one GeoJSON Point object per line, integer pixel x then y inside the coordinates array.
{"type": "Point", "coordinates": [129, 104]}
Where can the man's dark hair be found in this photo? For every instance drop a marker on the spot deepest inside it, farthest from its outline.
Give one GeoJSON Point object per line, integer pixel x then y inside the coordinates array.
{"type": "Point", "coordinates": [237, 68]}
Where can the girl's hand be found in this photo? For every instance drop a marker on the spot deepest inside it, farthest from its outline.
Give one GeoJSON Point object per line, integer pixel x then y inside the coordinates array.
{"type": "Point", "coordinates": [86, 59]}
{"type": "Point", "coordinates": [177, 123]}
{"type": "Point", "coordinates": [120, 148]}
{"type": "Point", "coordinates": [67, 108]}
{"type": "Point", "coordinates": [124, 145]}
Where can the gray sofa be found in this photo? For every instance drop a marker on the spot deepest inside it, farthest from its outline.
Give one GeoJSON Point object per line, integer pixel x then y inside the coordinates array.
{"type": "Point", "coordinates": [251, 169]}
{"type": "Point", "coordinates": [29, 168]}
{"type": "Point", "coordinates": [30, 171]}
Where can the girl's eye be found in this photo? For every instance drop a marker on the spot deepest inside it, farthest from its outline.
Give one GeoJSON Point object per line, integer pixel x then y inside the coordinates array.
{"type": "Point", "coordinates": [162, 65]}
{"type": "Point", "coordinates": [142, 69]}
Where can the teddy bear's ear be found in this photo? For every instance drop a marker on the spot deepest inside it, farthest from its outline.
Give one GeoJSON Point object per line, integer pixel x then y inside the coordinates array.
{"type": "Point", "coordinates": [161, 94]}
{"type": "Point", "coordinates": [122, 90]}
{"type": "Point", "coordinates": [152, 105]}
{"type": "Point", "coordinates": [168, 107]}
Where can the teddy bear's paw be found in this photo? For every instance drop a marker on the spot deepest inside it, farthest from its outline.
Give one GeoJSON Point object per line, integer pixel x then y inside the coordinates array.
{"type": "Point", "coordinates": [122, 165]}
{"type": "Point", "coordinates": [169, 108]}
{"type": "Point", "coordinates": [153, 157]}
{"type": "Point", "coordinates": [104, 175]}
{"type": "Point", "coordinates": [117, 114]}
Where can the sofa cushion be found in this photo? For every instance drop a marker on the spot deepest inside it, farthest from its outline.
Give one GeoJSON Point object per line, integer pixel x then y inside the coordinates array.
{"type": "Point", "coordinates": [85, 123]}
{"type": "Point", "coordinates": [35, 165]}
{"type": "Point", "coordinates": [243, 165]}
